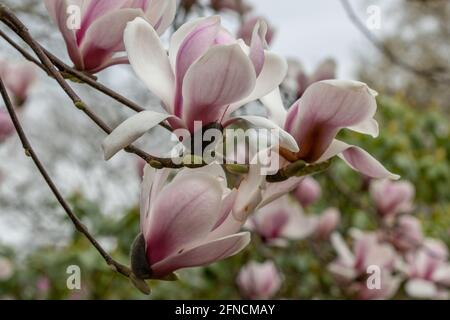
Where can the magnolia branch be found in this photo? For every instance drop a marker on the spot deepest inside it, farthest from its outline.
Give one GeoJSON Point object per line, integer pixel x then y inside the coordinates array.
{"type": "Point", "coordinates": [29, 151]}
{"type": "Point", "coordinates": [58, 70]}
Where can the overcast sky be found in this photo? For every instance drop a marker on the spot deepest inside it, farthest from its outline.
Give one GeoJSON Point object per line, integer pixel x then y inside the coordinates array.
{"type": "Point", "coordinates": [311, 30]}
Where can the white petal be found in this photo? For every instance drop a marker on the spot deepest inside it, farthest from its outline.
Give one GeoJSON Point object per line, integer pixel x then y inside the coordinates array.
{"type": "Point", "coordinates": [149, 60]}
{"type": "Point", "coordinates": [274, 104]}
{"type": "Point", "coordinates": [130, 130]}
{"type": "Point", "coordinates": [286, 140]}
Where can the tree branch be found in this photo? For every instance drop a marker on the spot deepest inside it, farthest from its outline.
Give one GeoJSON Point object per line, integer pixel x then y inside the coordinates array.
{"type": "Point", "coordinates": [29, 151]}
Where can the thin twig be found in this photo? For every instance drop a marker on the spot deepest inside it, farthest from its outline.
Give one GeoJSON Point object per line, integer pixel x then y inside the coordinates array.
{"type": "Point", "coordinates": [19, 28]}
{"type": "Point", "coordinates": [29, 151]}
{"type": "Point", "coordinates": [428, 74]}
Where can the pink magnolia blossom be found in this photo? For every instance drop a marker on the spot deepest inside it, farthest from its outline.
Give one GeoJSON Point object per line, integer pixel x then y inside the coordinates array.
{"type": "Point", "coordinates": [93, 45]}
{"type": "Point", "coordinates": [327, 222]}
{"type": "Point", "coordinates": [428, 270]}
{"type": "Point", "coordinates": [298, 80]}
{"type": "Point", "coordinates": [259, 280]}
{"type": "Point", "coordinates": [326, 108]}
{"type": "Point", "coordinates": [18, 78]}
{"type": "Point", "coordinates": [206, 76]}
{"type": "Point", "coordinates": [392, 197]}
{"type": "Point", "coordinates": [187, 222]}
{"type": "Point", "coordinates": [351, 269]}
{"type": "Point", "coordinates": [406, 234]}
{"type": "Point", "coordinates": [6, 125]}
{"type": "Point", "coordinates": [246, 30]}
{"type": "Point", "coordinates": [281, 220]}
{"type": "Point", "coordinates": [308, 191]}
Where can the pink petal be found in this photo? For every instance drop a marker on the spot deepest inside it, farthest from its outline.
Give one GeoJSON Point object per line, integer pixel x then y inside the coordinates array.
{"type": "Point", "coordinates": [222, 76]}
{"type": "Point", "coordinates": [161, 13]}
{"type": "Point", "coordinates": [174, 225]}
{"type": "Point", "coordinates": [257, 46]}
{"type": "Point", "coordinates": [202, 255]}
{"type": "Point", "coordinates": [58, 11]}
{"type": "Point", "coordinates": [105, 37]}
{"type": "Point", "coordinates": [196, 43]}
{"type": "Point", "coordinates": [325, 108]}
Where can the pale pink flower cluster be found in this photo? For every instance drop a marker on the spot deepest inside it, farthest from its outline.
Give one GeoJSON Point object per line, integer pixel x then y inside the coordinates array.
{"type": "Point", "coordinates": [398, 248]}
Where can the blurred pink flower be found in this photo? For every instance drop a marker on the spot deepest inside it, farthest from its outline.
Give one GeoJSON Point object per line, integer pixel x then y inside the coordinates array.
{"type": "Point", "coordinates": [93, 44]}
{"type": "Point", "coordinates": [392, 197]}
{"type": "Point", "coordinates": [298, 80]}
{"type": "Point", "coordinates": [206, 76]}
{"type": "Point", "coordinates": [281, 220]}
{"type": "Point", "coordinates": [327, 222]}
{"type": "Point", "coordinates": [18, 78]}
{"type": "Point", "coordinates": [6, 269]}
{"type": "Point", "coordinates": [326, 108]}
{"type": "Point", "coordinates": [406, 234]}
{"type": "Point", "coordinates": [259, 280]}
{"type": "Point", "coordinates": [245, 32]}
{"type": "Point", "coordinates": [308, 191]}
{"type": "Point", "coordinates": [428, 270]}
{"type": "Point", "coordinates": [187, 222]}
{"type": "Point", "coordinates": [6, 125]}
{"type": "Point", "coordinates": [351, 269]}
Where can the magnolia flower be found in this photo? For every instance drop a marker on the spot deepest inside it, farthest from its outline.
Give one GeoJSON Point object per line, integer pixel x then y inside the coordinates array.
{"type": "Point", "coordinates": [245, 32]}
{"type": "Point", "coordinates": [392, 197]}
{"type": "Point", "coordinates": [186, 222]}
{"type": "Point", "coordinates": [298, 80]}
{"type": "Point", "coordinates": [239, 6]}
{"type": "Point", "coordinates": [6, 125]}
{"type": "Point", "coordinates": [281, 220]}
{"type": "Point", "coordinates": [18, 78]}
{"type": "Point", "coordinates": [205, 77]}
{"type": "Point", "coordinates": [327, 222]}
{"type": "Point", "coordinates": [406, 234]}
{"type": "Point", "coordinates": [308, 191]}
{"type": "Point", "coordinates": [93, 29]}
{"type": "Point", "coordinates": [259, 280]}
{"type": "Point", "coordinates": [352, 269]}
{"type": "Point", "coordinates": [428, 271]}
{"type": "Point", "coordinates": [325, 108]}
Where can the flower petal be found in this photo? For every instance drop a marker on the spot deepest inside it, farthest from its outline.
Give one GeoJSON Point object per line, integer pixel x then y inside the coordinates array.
{"type": "Point", "coordinates": [258, 43]}
{"type": "Point", "coordinates": [275, 106]}
{"type": "Point", "coordinates": [286, 140]}
{"type": "Point", "coordinates": [130, 130]}
{"type": "Point", "coordinates": [149, 60]}
{"type": "Point", "coordinates": [161, 13]}
{"type": "Point", "coordinates": [358, 159]}
{"type": "Point", "coordinates": [58, 12]}
{"type": "Point", "coordinates": [325, 108]}
{"type": "Point", "coordinates": [203, 254]}
{"type": "Point", "coordinates": [176, 225]}
{"type": "Point", "coordinates": [105, 36]}
{"type": "Point", "coordinates": [222, 76]}
{"type": "Point", "coordinates": [271, 76]}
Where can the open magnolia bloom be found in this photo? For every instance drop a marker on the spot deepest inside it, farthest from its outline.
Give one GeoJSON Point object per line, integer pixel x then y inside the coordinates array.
{"type": "Point", "coordinates": [186, 222]}
{"type": "Point", "coordinates": [206, 76]}
{"type": "Point", "coordinates": [93, 29]}
{"type": "Point", "coordinates": [352, 269]}
{"type": "Point", "coordinates": [326, 108]}
{"type": "Point", "coordinates": [281, 220]}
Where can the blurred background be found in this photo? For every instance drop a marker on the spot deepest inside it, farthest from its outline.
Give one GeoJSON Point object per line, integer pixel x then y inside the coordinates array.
{"type": "Point", "coordinates": [400, 48]}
